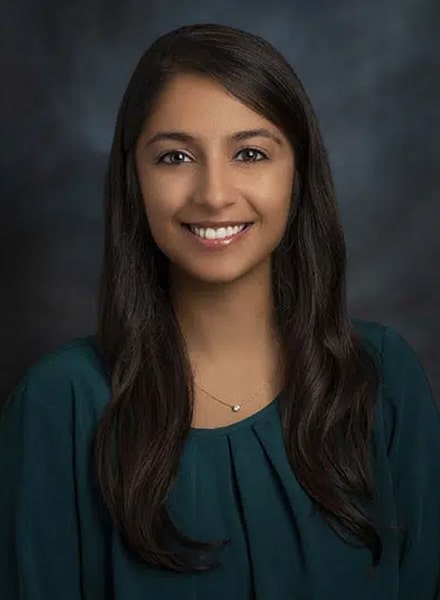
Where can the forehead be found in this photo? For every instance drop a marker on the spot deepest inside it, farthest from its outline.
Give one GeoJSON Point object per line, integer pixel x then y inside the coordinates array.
{"type": "Point", "coordinates": [202, 105]}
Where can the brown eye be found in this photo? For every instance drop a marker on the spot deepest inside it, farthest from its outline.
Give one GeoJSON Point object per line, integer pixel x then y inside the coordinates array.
{"type": "Point", "coordinates": [252, 152]}
{"type": "Point", "coordinates": [172, 153]}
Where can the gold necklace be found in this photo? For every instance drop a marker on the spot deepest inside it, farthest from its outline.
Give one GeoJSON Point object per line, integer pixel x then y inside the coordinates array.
{"type": "Point", "coordinates": [235, 407]}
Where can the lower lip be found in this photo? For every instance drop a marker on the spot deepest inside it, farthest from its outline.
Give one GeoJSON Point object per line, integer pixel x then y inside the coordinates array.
{"type": "Point", "coordinates": [213, 244]}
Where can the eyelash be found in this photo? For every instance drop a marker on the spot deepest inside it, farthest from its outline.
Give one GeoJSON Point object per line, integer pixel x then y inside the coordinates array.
{"type": "Point", "coordinates": [160, 159]}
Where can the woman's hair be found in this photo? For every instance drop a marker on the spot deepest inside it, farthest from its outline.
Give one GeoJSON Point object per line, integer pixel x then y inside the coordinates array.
{"type": "Point", "coordinates": [330, 379]}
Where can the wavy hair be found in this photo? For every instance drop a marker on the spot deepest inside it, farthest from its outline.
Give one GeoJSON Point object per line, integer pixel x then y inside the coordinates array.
{"type": "Point", "coordinates": [330, 379]}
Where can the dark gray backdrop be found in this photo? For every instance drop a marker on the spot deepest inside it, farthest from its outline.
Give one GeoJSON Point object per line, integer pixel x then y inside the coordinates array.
{"type": "Point", "coordinates": [372, 72]}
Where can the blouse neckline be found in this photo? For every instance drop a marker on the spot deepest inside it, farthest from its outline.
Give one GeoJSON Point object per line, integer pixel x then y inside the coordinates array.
{"type": "Point", "coordinates": [244, 423]}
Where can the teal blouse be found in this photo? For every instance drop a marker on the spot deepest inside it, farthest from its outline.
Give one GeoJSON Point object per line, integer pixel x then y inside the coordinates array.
{"type": "Point", "coordinates": [57, 541]}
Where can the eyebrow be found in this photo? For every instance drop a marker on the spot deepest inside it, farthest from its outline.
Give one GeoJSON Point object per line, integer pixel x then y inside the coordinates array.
{"type": "Point", "coordinates": [245, 134]}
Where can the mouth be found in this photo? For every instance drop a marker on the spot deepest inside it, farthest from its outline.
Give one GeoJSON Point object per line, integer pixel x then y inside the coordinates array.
{"type": "Point", "coordinates": [217, 243]}
{"type": "Point", "coordinates": [188, 225]}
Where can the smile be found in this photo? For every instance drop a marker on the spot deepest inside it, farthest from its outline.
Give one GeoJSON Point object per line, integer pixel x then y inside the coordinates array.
{"type": "Point", "coordinates": [211, 238]}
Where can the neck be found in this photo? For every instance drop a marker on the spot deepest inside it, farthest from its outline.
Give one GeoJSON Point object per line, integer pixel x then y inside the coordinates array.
{"type": "Point", "coordinates": [225, 323]}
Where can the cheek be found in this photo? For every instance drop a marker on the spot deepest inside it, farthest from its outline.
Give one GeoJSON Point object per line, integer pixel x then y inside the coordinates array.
{"type": "Point", "coordinates": [161, 203]}
{"type": "Point", "coordinates": [275, 197]}
{"type": "Point", "coordinates": [159, 220]}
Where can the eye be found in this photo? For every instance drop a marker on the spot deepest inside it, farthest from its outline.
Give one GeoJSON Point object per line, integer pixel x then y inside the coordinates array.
{"type": "Point", "coordinates": [172, 153]}
{"type": "Point", "coordinates": [253, 151]}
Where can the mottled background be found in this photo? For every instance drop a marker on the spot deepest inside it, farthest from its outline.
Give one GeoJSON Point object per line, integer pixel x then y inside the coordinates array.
{"type": "Point", "coordinates": [372, 72]}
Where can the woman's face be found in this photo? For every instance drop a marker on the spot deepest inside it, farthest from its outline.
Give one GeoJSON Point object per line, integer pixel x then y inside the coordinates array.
{"type": "Point", "coordinates": [208, 175]}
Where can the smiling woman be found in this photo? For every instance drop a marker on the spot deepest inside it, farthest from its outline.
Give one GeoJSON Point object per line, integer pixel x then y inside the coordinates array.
{"type": "Point", "coordinates": [229, 432]}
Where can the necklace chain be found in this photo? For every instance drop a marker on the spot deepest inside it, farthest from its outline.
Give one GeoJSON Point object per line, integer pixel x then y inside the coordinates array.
{"type": "Point", "coordinates": [235, 407]}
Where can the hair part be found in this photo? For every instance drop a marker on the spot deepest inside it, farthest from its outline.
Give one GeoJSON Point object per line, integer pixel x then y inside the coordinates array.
{"type": "Point", "coordinates": [330, 378]}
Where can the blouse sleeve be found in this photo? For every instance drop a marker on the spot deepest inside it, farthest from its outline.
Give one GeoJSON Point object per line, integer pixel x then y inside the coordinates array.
{"type": "Point", "coordinates": [414, 457]}
{"type": "Point", "coordinates": [39, 542]}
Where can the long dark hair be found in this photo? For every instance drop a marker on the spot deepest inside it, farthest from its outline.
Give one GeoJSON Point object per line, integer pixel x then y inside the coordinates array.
{"type": "Point", "coordinates": [330, 379]}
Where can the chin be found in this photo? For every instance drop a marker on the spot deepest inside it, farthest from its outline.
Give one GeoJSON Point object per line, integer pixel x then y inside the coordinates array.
{"type": "Point", "coordinates": [215, 275]}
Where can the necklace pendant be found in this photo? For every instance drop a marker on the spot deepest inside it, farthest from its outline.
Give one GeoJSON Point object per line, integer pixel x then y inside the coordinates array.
{"type": "Point", "coordinates": [236, 408]}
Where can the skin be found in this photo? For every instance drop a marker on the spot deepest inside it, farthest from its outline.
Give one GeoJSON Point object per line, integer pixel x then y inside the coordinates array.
{"type": "Point", "coordinates": [223, 299]}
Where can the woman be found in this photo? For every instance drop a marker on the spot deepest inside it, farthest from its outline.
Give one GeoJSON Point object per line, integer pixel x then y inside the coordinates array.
{"type": "Point", "coordinates": [229, 432]}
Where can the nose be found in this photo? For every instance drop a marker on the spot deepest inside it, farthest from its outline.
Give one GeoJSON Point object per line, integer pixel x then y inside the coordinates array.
{"type": "Point", "coordinates": [214, 183]}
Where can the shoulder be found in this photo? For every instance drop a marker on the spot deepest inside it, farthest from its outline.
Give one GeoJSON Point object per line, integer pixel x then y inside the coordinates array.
{"type": "Point", "coordinates": [407, 398]}
{"type": "Point", "coordinates": [371, 334]}
{"type": "Point", "coordinates": [73, 370]}
{"type": "Point", "coordinates": [398, 361]}
{"type": "Point", "coordinates": [400, 365]}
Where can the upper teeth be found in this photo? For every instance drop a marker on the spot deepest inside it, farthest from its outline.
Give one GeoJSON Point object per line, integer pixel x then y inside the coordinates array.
{"type": "Point", "coordinates": [217, 233]}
